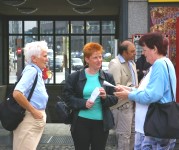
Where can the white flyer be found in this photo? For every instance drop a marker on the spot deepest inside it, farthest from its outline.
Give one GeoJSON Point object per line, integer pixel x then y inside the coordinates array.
{"type": "Point", "coordinates": [94, 94]}
{"type": "Point", "coordinates": [108, 84]}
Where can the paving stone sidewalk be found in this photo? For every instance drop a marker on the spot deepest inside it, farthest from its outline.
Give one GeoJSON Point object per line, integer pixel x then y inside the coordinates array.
{"type": "Point", "coordinates": [55, 137]}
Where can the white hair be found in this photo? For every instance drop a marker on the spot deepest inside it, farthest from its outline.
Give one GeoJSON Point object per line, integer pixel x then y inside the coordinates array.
{"type": "Point", "coordinates": [34, 49]}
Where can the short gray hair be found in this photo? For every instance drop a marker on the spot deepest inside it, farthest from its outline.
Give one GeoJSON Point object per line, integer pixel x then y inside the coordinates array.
{"type": "Point", "coordinates": [34, 49]}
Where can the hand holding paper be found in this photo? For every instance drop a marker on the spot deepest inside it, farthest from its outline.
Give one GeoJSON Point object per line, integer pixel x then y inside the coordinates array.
{"type": "Point", "coordinates": [108, 84]}
{"type": "Point", "coordinates": [94, 94]}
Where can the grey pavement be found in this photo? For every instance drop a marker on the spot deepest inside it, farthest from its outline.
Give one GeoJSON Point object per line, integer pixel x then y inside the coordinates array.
{"type": "Point", "coordinates": [56, 136]}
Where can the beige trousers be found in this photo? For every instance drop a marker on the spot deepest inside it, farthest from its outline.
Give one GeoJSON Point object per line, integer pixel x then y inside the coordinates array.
{"type": "Point", "coordinates": [29, 132]}
{"type": "Point", "coordinates": [124, 126]}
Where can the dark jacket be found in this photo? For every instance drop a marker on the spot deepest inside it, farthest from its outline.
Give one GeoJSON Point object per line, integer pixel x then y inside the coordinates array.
{"type": "Point", "coordinates": [142, 65]}
{"type": "Point", "coordinates": [73, 92]}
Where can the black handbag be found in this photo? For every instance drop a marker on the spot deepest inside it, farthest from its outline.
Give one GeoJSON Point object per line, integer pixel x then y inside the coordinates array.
{"type": "Point", "coordinates": [11, 113]}
{"type": "Point", "coordinates": [162, 120]}
{"type": "Point", "coordinates": [63, 111]}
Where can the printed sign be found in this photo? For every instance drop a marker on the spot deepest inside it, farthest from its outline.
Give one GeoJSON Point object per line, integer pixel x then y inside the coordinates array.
{"type": "Point", "coordinates": [163, 19]}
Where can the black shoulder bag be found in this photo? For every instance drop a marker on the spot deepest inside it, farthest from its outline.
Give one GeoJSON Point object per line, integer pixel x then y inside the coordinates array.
{"type": "Point", "coordinates": [162, 120]}
{"type": "Point", "coordinates": [63, 111]}
{"type": "Point", "coordinates": [11, 113]}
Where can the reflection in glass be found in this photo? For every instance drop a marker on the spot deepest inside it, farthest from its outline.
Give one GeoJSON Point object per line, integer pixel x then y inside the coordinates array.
{"type": "Point", "coordinates": [61, 27]}
{"type": "Point", "coordinates": [15, 57]}
{"type": "Point", "coordinates": [109, 47]}
{"type": "Point", "coordinates": [77, 43]}
{"type": "Point", "coordinates": [68, 40]}
{"type": "Point", "coordinates": [46, 27]}
{"type": "Point", "coordinates": [50, 64]}
{"type": "Point", "coordinates": [15, 27]}
{"type": "Point", "coordinates": [49, 40]}
{"type": "Point", "coordinates": [76, 64]}
{"type": "Point", "coordinates": [77, 27]}
{"type": "Point", "coordinates": [62, 57]}
{"type": "Point", "coordinates": [138, 47]}
{"type": "Point", "coordinates": [30, 38]}
{"type": "Point", "coordinates": [30, 27]}
{"type": "Point", "coordinates": [92, 27]}
{"type": "Point", "coordinates": [92, 38]}
{"type": "Point", "coordinates": [108, 27]}
{"type": "Point", "coordinates": [59, 68]}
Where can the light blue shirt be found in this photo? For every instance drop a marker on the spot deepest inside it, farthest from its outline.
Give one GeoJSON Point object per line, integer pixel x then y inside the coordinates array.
{"type": "Point", "coordinates": [158, 88]}
{"type": "Point", "coordinates": [39, 97]}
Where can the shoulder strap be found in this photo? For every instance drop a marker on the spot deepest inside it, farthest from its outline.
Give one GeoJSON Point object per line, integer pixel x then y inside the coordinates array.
{"type": "Point", "coordinates": [170, 82]}
{"type": "Point", "coordinates": [33, 87]}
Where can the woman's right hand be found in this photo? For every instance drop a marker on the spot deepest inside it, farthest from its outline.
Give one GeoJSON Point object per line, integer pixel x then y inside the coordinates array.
{"type": "Point", "coordinates": [89, 104]}
{"type": "Point", "coordinates": [37, 114]}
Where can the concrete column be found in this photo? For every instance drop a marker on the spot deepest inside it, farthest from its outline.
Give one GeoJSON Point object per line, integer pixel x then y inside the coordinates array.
{"type": "Point", "coordinates": [123, 31]}
{"type": "Point", "coordinates": [137, 17]}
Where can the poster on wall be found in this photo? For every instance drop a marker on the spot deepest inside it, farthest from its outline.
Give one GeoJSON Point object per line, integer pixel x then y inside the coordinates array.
{"type": "Point", "coordinates": [163, 19]}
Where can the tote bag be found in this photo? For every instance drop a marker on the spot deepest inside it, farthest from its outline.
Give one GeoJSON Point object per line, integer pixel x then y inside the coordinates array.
{"type": "Point", "coordinates": [162, 120]}
{"type": "Point", "coordinates": [11, 113]}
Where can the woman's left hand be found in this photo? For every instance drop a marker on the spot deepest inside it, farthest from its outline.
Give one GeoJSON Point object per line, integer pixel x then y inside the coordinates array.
{"type": "Point", "coordinates": [102, 93]}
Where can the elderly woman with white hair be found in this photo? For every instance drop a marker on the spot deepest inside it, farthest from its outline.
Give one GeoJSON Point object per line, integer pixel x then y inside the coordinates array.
{"type": "Point", "coordinates": [27, 135]}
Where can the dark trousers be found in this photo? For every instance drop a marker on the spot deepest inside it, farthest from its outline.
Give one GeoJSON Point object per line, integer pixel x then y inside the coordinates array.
{"type": "Point", "coordinates": [89, 133]}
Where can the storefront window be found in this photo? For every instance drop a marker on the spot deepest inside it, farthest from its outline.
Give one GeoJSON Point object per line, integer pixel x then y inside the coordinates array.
{"type": "Point", "coordinates": [46, 27]}
{"type": "Point", "coordinates": [92, 27]}
{"type": "Point", "coordinates": [15, 58]}
{"type": "Point", "coordinates": [30, 27]}
{"type": "Point", "coordinates": [15, 27]}
{"type": "Point", "coordinates": [62, 58]}
{"type": "Point", "coordinates": [109, 47]}
{"type": "Point", "coordinates": [65, 40]}
{"type": "Point", "coordinates": [61, 27]}
{"type": "Point", "coordinates": [77, 27]}
{"type": "Point", "coordinates": [108, 27]}
{"type": "Point", "coordinates": [30, 38]}
{"type": "Point", "coordinates": [49, 39]}
{"type": "Point", "coordinates": [92, 38]}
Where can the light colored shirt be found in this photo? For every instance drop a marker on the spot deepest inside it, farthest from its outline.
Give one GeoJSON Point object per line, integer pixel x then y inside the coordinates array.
{"type": "Point", "coordinates": [158, 88]}
{"type": "Point", "coordinates": [140, 117]}
{"type": "Point", "coordinates": [39, 97]}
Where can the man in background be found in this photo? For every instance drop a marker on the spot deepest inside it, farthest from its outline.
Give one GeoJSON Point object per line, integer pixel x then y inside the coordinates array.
{"type": "Point", "coordinates": [124, 72]}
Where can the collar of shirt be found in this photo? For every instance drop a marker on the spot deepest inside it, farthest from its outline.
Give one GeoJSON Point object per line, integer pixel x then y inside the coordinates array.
{"type": "Point", "coordinates": [36, 67]}
{"type": "Point", "coordinates": [121, 59]}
